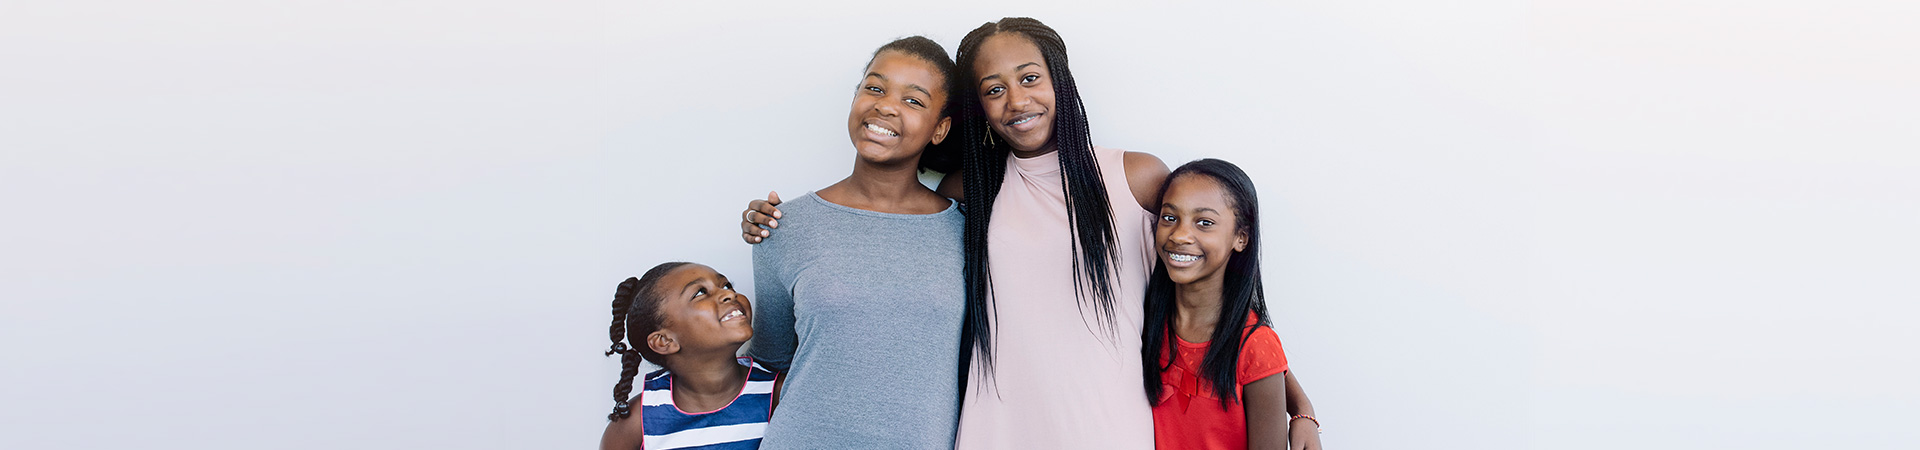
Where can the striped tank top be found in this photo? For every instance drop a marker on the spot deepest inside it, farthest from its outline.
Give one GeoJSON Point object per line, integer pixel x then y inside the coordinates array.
{"type": "Point", "coordinates": [737, 426]}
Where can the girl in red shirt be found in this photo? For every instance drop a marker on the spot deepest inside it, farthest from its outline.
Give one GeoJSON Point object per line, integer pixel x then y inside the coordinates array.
{"type": "Point", "coordinates": [1215, 372]}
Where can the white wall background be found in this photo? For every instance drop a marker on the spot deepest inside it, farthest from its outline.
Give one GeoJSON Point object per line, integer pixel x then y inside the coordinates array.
{"type": "Point", "coordinates": [1492, 224]}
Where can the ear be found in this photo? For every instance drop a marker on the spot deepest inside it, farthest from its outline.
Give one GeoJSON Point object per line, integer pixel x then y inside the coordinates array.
{"type": "Point", "coordinates": [662, 342]}
{"type": "Point", "coordinates": [940, 131]}
{"type": "Point", "coordinates": [1239, 240]}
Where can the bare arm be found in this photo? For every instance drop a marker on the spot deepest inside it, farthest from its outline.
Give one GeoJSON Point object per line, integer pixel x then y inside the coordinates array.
{"type": "Point", "coordinates": [1306, 433]}
{"type": "Point", "coordinates": [1145, 174]}
{"type": "Point", "coordinates": [952, 186]}
{"type": "Point", "coordinates": [624, 434]}
{"type": "Point", "coordinates": [1266, 406]}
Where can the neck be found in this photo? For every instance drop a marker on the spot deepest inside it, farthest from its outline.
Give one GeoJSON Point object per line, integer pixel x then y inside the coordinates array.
{"type": "Point", "coordinates": [708, 375]}
{"type": "Point", "coordinates": [882, 188]}
{"type": "Point", "coordinates": [1199, 308]}
{"type": "Point", "coordinates": [1044, 149]}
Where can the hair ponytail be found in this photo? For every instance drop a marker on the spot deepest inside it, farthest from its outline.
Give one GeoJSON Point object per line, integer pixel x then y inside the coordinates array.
{"type": "Point", "coordinates": [629, 358]}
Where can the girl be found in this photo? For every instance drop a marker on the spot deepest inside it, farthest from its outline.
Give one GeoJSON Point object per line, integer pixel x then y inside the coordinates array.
{"type": "Point", "coordinates": [1213, 366]}
{"type": "Point", "coordinates": [686, 318]}
{"type": "Point", "coordinates": [861, 295]}
{"type": "Point", "coordinates": [1068, 229]}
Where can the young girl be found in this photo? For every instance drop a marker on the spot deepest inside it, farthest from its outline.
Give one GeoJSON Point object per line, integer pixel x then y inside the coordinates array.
{"type": "Point", "coordinates": [1213, 366]}
{"type": "Point", "coordinates": [1068, 228]}
{"type": "Point", "coordinates": [686, 318]}
{"type": "Point", "coordinates": [861, 296]}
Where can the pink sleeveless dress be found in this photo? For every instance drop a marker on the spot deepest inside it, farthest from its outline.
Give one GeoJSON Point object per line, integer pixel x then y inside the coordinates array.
{"type": "Point", "coordinates": [1062, 378]}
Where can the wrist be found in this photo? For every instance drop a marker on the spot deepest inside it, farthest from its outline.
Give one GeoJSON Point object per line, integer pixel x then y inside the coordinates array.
{"type": "Point", "coordinates": [1298, 417]}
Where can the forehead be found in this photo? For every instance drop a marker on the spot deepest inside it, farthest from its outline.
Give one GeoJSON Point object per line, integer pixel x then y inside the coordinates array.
{"type": "Point", "coordinates": [900, 67]}
{"type": "Point", "coordinates": [1194, 191]}
{"type": "Point", "coordinates": [1005, 51]}
{"type": "Point", "coordinates": [674, 283]}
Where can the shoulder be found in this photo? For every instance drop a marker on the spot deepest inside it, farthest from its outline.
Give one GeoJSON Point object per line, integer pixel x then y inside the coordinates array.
{"type": "Point", "coordinates": [1261, 356]}
{"type": "Point", "coordinates": [624, 434]}
{"type": "Point", "coordinates": [1145, 174]}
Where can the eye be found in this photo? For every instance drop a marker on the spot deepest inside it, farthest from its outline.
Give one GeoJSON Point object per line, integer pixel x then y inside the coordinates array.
{"type": "Point", "coordinates": [1029, 79]}
{"type": "Point", "coordinates": [729, 286]}
{"type": "Point", "coordinates": [874, 89]}
{"type": "Point", "coordinates": [699, 292]}
{"type": "Point", "coordinates": [915, 102]}
{"type": "Point", "coordinates": [1205, 222]}
{"type": "Point", "coordinates": [1168, 218]}
{"type": "Point", "coordinates": [995, 90]}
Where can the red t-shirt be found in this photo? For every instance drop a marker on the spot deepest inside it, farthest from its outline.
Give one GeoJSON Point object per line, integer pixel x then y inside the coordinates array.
{"type": "Point", "coordinates": [1188, 415]}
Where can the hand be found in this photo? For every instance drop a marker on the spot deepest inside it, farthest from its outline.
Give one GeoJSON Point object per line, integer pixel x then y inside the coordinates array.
{"type": "Point", "coordinates": [1304, 435]}
{"type": "Point", "coordinates": [760, 212]}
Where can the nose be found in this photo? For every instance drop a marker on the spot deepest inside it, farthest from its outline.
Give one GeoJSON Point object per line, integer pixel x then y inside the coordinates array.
{"type": "Point", "coordinates": [1017, 98]}
{"type": "Point", "coordinates": [888, 108]}
{"type": "Point", "coordinates": [1182, 234]}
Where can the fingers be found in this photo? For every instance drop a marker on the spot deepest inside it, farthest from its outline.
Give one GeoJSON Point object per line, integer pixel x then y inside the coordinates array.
{"type": "Point", "coordinates": [763, 209]}
{"type": "Point", "coordinates": [751, 219]}
{"type": "Point", "coordinates": [773, 197]}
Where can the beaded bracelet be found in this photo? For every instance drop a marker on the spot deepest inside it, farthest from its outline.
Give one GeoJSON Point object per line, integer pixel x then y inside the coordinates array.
{"type": "Point", "coordinates": [1316, 422]}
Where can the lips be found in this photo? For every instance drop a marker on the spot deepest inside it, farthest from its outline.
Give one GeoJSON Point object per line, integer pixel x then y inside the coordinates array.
{"type": "Point", "coordinates": [731, 315]}
{"type": "Point", "coordinates": [1023, 122]}
{"type": "Point", "coordinates": [1180, 260]}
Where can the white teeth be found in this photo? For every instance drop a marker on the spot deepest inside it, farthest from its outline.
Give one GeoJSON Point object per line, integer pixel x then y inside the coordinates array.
{"type": "Point", "coordinates": [1028, 119]}
{"type": "Point", "coordinates": [881, 130]}
{"type": "Point", "coordinates": [731, 315]}
{"type": "Point", "coordinates": [1181, 258]}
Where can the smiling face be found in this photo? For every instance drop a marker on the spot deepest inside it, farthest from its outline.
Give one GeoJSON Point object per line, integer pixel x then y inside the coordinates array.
{"type": "Point", "coordinates": [1016, 91]}
{"type": "Point", "coordinates": [896, 111]}
{"type": "Point", "coordinates": [1198, 230]}
{"type": "Point", "coordinates": [700, 312]}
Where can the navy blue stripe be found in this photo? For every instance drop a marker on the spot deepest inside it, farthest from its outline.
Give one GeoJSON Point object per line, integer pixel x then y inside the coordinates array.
{"type": "Point", "coordinates": [750, 444]}
{"type": "Point", "coordinates": [746, 409]}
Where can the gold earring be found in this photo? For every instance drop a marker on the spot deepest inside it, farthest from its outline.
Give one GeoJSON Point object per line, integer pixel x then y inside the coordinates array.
{"type": "Point", "coordinates": [989, 138]}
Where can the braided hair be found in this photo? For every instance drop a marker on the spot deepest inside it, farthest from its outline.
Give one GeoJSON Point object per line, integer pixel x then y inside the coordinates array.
{"type": "Point", "coordinates": [984, 164]}
{"type": "Point", "coordinates": [938, 157]}
{"type": "Point", "coordinates": [1241, 292]}
{"type": "Point", "coordinates": [636, 314]}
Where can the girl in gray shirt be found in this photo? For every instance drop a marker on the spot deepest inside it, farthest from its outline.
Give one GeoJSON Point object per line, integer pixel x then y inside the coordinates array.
{"type": "Point", "coordinates": [860, 300]}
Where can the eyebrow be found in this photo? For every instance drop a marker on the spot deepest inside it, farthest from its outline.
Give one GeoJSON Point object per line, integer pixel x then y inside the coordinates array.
{"type": "Point", "coordinates": [1177, 208]}
{"type": "Point", "coordinates": [909, 85]}
{"type": "Point", "coordinates": [1022, 66]}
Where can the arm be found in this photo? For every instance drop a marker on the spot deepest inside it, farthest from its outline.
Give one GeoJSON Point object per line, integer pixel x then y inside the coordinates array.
{"type": "Point", "coordinates": [760, 212]}
{"type": "Point", "coordinates": [774, 339]}
{"type": "Point", "coordinates": [1306, 433]}
{"type": "Point", "coordinates": [952, 186]}
{"type": "Point", "coordinates": [624, 434]}
{"type": "Point", "coordinates": [1145, 174]}
{"type": "Point", "coordinates": [1266, 406]}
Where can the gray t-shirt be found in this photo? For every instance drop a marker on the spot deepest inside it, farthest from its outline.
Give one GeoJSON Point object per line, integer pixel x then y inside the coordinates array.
{"type": "Point", "coordinates": [862, 310]}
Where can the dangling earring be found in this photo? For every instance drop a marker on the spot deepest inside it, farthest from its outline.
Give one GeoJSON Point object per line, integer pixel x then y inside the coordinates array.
{"type": "Point", "coordinates": [989, 138]}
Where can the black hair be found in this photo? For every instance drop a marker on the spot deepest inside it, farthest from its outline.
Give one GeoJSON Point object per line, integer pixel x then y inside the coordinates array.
{"type": "Point", "coordinates": [984, 166]}
{"type": "Point", "coordinates": [939, 157]}
{"type": "Point", "coordinates": [636, 314]}
{"type": "Point", "coordinates": [1241, 292]}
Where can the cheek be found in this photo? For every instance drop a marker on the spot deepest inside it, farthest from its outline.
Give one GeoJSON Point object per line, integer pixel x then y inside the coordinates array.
{"type": "Point", "coordinates": [994, 113]}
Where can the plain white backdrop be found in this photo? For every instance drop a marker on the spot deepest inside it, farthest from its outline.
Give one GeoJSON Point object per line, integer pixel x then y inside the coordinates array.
{"type": "Point", "coordinates": [1490, 224]}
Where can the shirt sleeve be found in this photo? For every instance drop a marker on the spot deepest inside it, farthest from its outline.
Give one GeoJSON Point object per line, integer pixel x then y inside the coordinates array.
{"type": "Point", "coordinates": [1262, 356]}
{"type": "Point", "coordinates": [773, 336]}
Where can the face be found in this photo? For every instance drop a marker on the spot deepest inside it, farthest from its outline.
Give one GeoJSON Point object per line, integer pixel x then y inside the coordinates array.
{"type": "Point", "coordinates": [701, 312]}
{"type": "Point", "coordinates": [896, 111]}
{"type": "Point", "coordinates": [1016, 90]}
{"type": "Point", "coordinates": [1197, 232]}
